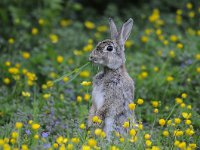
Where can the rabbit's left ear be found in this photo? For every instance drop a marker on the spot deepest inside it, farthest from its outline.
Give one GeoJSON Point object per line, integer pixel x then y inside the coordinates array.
{"type": "Point", "coordinates": [125, 31]}
{"type": "Point", "coordinates": [113, 29]}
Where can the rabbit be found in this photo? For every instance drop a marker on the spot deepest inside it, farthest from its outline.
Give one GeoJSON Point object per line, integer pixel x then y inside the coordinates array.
{"type": "Point", "coordinates": [113, 88]}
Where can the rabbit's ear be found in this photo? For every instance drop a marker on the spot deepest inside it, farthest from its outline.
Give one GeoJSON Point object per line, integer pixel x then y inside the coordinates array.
{"type": "Point", "coordinates": [113, 29]}
{"type": "Point", "coordinates": [125, 31]}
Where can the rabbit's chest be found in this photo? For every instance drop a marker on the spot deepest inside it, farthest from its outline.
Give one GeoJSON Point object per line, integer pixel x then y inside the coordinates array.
{"type": "Point", "coordinates": [98, 96]}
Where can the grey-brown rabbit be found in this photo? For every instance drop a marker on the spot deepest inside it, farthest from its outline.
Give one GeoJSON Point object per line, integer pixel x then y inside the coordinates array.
{"type": "Point", "coordinates": [113, 88]}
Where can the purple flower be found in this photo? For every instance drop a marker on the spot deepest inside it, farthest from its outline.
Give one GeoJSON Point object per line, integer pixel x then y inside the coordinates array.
{"type": "Point", "coordinates": [45, 134]}
{"type": "Point", "coordinates": [28, 132]}
{"type": "Point", "coordinates": [47, 145]}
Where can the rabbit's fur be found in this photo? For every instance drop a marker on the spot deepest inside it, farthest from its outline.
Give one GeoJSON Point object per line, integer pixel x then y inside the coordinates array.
{"type": "Point", "coordinates": [113, 88]}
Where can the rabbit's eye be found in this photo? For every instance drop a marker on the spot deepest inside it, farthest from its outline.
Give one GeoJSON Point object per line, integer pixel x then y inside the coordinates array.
{"type": "Point", "coordinates": [109, 48]}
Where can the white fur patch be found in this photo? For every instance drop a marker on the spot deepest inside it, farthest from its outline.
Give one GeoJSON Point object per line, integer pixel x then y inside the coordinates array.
{"type": "Point", "coordinates": [98, 96]}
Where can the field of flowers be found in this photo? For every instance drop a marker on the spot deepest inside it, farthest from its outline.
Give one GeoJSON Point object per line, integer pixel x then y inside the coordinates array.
{"type": "Point", "coordinates": [45, 77]}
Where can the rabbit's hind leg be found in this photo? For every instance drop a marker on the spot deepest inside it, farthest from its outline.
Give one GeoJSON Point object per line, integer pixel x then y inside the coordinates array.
{"type": "Point", "coordinates": [108, 128]}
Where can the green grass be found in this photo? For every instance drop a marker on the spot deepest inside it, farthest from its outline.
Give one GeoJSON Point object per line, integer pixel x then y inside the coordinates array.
{"type": "Point", "coordinates": [33, 90]}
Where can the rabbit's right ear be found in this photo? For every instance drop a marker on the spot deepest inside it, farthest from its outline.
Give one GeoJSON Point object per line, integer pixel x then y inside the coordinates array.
{"type": "Point", "coordinates": [113, 29]}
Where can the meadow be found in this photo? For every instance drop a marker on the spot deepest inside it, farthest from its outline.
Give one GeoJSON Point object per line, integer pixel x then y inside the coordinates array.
{"type": "Point", "coordinates": [46, 79]}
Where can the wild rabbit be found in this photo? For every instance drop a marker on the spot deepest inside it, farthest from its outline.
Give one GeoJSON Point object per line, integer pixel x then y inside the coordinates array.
{"type": "Point", "coordinates": [113, 88]}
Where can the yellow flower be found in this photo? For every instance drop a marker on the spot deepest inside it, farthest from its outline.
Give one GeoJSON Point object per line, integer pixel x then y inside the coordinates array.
{"type": "Point", "coordinates": [158, 31]}
{"type": "Point", "coordinates": [34, 31]}
{"type": "Point", "coordinates": [121, 139]}
{"type": "Point", "coordinates": [65, 79]}
{"type": "Point", "coordinates": [178, 133]}
{"type": "Point", "coordinates": [14, 134]}
{"type": "Point", "coordinates": [169, 122]}
{"type": "Point", "coordinates": [198, 69]}
{"type": "Point", "coordinates": [169, 78]}
{"type": "Point", "coordinates": [155, 103]}
{"type": "Point", "coordinates": [46, 96]}
{"type": "Point", "coordinates": [131, 106]}
{"type": "Point", "coordinates": [144, 39]}
{"type": "Point", "coordinates": [96, 119]}
{"type": "Point", "coordinates": [186, 115]}
{"type": "Point", "coordinates": [179, 12]}
{"type": "Point", "coordinates": [41, 21]}
{"type": "Point", "coordinates": [178, 100]}
{"type": "Point", "coordinates": [132, 132]}
{"type": "Point", "coordinates": [30, 121]}
{"type": "Point", "coordinates": [26, 55]}
{"type": "Point", "coordinates": [26, 94]}
{"type": "Point", "coordinates": [184, 95]}
{"type": "Point", "coordinates": [179, 45]}
{"type": "Point", "coordinates": [188, 122]}
{"type": "Point", "coordinates": [70, 146]}
{"type": "Point", "coordinates": [193, 145]}
{"type": "Point", "coordinates": [49, 83]}
{"type": "Point", "coordinates": [18, 125]}
{"type": "Point", "coordinates": [6, 80]}
{"type": "Point", "coordinates": [65, 140]}
{"type": "Point", "coordinates": [24, 147]}
{"type": "Point", "coordinates": [102, 28]}
{"type": "Point", "coordinates": [65, 22]}
{"type": "Point", "coordinates": [60, 140]}
{"type": "Point", "coordinates": [92, 142]}
{"type": "Point", "coordinates": [75, 140]}
{"type": "Point", "coordinates": [1, 142]}
{"type": "Point", "coordinates": [35, 126]}
{"type": "Point", "coordinates": [156, 69]}
{"type": "Point", "coordinates": [128, 43]}
{"type": "Point", "coordinates": [55, 145]}
{"type": "Point", "coordinates": [98, 132]}
{"type": "Point", "coordinates": [140, 126]}
{"type": "Point", "coordinates": [79, 99]}
{"type": "Point", "coordinates": [165, 133]}
{"type": "Point", "coordinates": [36, 136]}
{"type": "Point", "coordinates": [126, 124]}
{"type": "Point", "coordinates": [147, 136]}
{"type": "Point", "coordinates": [189, 5]}
{"type": "Point", "coordinates": [177, 120]}
{"type": "Point", "coordinates": [140, 101]}
{"type": "Point", "coordinates": [189, 132]}
{"type": "Point", "coordinates": [176, 143]}
{"type": "Point", "coordinates": [155, 110]}
{"type": "Point", "coordinates": [82, 126]}
{"type": "Point", "coordinates": [103, 134]}
{"type": "Point", "coordinates": [85, 74]}
{"type": "Point", "coordinates": [197, 56]}
{"type": "Point", "coordinates": [143, 75]}
{"type": "Point", "coordinates": [148, 143]}
{"type": "Point", "coordinates": [13, 141]}
{"type": "Point", "coordinates": [59, 59]}
{"type": "Point", "coordinates": [182, 105]}
{"type": "Point", "coordinates": [173, 38]}
{"type": "Point", "coordinates": [172, 53]}
{"type": "Point", "coordinates": [88, 48]}
{"type": "Point", "coordinates": [11, 40]}
{"type": "Point", "coordinates": [182, 145]}
{"type": "Point", "coordinates": [154, 16]}
{"type": "Point", "coordinates": [85, 147]}
{"type": "Point", "coordinates": [13, 70]}
{"type": "Point", "coordinates": [86, 83]}
{"type": "Point", "coordinates": [155, 148]}
{"type": "Point", "coordinates": [8, 63]}
{"type": "Point", "coordinates": [162, 122]}
{"type": "Point", "coordinates": [53, 38]}
{"type": "Point", "coordinates": [89, 25]}
{"type": "Point", "coordinates": [165, 42]}
{"type": "Point", "coordinates": [86, 97]}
